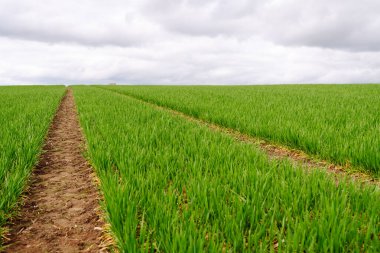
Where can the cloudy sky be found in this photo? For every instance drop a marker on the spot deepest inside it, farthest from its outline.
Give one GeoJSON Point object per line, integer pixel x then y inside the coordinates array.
{"type": "Point", "coordinates": [189, 41]}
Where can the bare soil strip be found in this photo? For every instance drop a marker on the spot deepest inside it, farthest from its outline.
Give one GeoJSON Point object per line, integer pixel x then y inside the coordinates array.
{"type": "Point", "coordinates": [61, 210]}
{"type": "Point", "coordinates": [276, 151]}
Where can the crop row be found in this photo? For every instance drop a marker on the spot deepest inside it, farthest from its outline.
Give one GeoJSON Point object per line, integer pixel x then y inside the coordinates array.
{"type": "Point", "coordinates": [339, 123]}
{"type": "Point", "coordinates": [170, 185]}
{"type": "Point", "coordinates": [25, 115]}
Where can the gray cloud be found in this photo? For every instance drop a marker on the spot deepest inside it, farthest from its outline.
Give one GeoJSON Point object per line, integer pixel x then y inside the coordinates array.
{"type": "Point", "coordinates": [189, 41]}
{"type": "Point", "coordinates": [339, 24]}
{"type": "Point", "coordinates": [347, 25]}
{"type": "Point", "coordinates": [92, 23]}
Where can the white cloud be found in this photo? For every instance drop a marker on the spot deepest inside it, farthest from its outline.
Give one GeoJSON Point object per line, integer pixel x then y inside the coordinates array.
{"type": "Point", "coordinates": [193, 41]}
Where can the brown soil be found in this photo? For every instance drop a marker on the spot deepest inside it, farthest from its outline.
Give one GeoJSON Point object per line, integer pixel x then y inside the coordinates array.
{"type": "Point", "coordinates": [276, 151]}
{"type": "Point", "coordinates": [61, 210]}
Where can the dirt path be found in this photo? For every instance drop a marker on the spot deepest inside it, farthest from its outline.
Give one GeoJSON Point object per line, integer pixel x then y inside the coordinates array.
{"type": "Point", "coordinates": [61, 209]}
{"type": "Point", "coordinates": [275, 151]}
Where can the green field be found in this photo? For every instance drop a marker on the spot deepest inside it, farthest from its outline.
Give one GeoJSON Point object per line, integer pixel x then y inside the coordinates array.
{"type": "Point", "coordinates": [25, 115]}
{"type": "Point", "coordinates": [171, 185]}
{"type": "Point", "coordinates": [340, 123]}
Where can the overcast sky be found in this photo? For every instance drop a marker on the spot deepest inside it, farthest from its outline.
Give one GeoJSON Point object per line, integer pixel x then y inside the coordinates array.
{"type": "Point", "coordinates": [189, 41]}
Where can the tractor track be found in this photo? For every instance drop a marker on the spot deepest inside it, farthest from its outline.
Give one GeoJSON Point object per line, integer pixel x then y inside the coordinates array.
{"type": "Point", "coordinates": [61, 212]}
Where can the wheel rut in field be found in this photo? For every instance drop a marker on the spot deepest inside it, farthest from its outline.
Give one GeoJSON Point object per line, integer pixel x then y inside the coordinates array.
{"type": "Point", "coordinates": [273, 150]}
{"type": "Point", "coordinates": [61, 210]}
